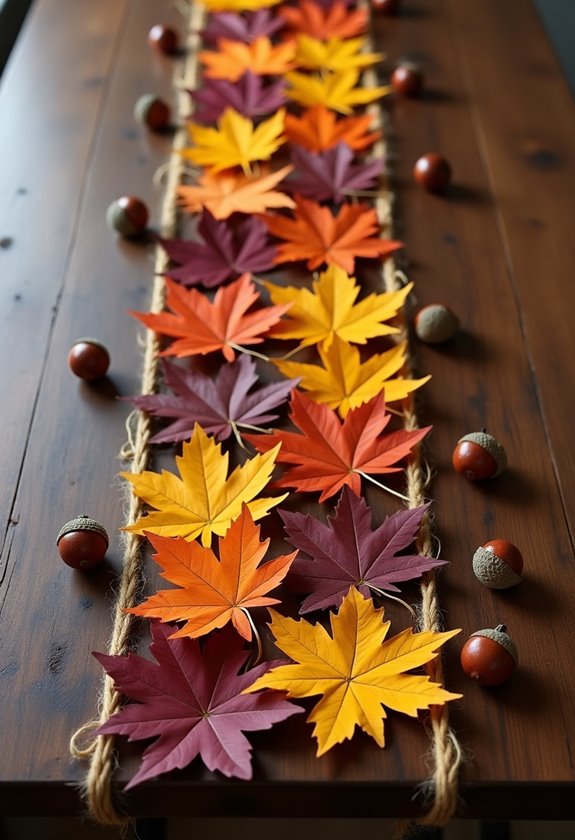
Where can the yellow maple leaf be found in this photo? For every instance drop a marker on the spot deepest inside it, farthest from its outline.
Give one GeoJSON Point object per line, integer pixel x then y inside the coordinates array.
{"type": "Point", "coordinates": [204, 501]}
{"type": "Point", "coordinates": [238, 5]}
{"type": "Point", "coordinates": [356, 670]}
{"type": "Point", "coordinates": [234, 58]}
{"type": "Point", "coordinates": [345, 382]}
{"type": "Point", "coordinates": [233, 192]}
{"type": "Point", "coordinates": [235, 141]}
{"type": "Point", "coordinates": [315, 317]}
{"type": "Point", "coordinates": [338, 91]}
{"type": "Point", "coordinates": [334, 54]}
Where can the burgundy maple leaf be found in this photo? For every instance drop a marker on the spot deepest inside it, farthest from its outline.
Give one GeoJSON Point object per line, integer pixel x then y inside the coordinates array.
{"type": "Point", "coordinates": [331, 175]}
{"type": "Point", "coordinates": [245, 28]}
{"type": "Point", "coordinates": [249, 96]}
{"type": "Point", "coordinates": [347, 552]}
{"type": "Point", "coordinates": [226, 252]}
{"type": "Point", "coordinates": [218, 405]}
{"type": "Point", "coordinates": [191, 702]}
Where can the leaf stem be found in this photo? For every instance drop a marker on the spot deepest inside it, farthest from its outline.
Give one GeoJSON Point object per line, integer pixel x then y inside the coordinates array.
{"type": "Point", "coordinates": [237, 435]}
{"type": "Point", "coordinates": [255, 428]}
{"type": "Point", "coordinates": [289, 355]}
{"type": "Point", "coordinates": [382, 486]}
{"type": "Point", "coordinates": [256, 637]}
{"type": "Point", "coordinates": [394, 598]}
{"type": "Point", "coordinates": [363, 193]}
{"type": "Point", "coordinates": [241, 349]}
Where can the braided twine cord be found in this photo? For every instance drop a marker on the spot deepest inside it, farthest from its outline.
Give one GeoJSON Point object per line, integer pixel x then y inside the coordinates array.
{"type": "Point", "coordinates": [98, 787]}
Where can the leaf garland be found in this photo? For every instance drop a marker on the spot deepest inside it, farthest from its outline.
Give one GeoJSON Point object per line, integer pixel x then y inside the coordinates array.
{"type": "Point", "coordinates": [338, 91]}
{"type": "Point", "coordinates": [335, 20]}
{"type": "Point", "coordinates": [234, 58]}
{"type": "Point", "coordinates": [331, 175]}
{"type": "Point", "coordinates": [249, 96]}
{"type": "Point", "coordinates": [318, 129]}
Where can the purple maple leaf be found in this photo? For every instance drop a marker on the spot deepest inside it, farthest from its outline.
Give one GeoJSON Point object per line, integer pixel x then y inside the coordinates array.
{"type": "Point", "coordinates": [215, 404]}
{"type": "Point", "coordinates": [249, 96]}
{"type": "Point", "coordinates": [330, 174]}
{"type": "Point", "coordinates": [245, 28]}
{"type": "Point", "coordinates": [347, 552]}
{"type": "Point", "coordinates": [227, 251]}
{"type": "Point", "coordinates": [191, 702]}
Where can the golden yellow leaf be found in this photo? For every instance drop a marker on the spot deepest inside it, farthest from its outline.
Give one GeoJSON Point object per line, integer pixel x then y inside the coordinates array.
{"type": "Point", "coordinates": [235, 142]}
{"type": "Point", "coordinates": [338, 91]}
{"type": "Point", "coordinates": [315, 317]}
{"type": "Point", "coordinates": [357, 672]}
{"type": "Point", "coordinates": [334, 54]}
{"type": "Point", "coordinates": [233, 192]}
{"type": "Point", "coordinates": [344, 381]}
{"type": "Point", "coordinates": [238, 5]}
{"type": "Point", "coordinates": [204, 501]}
{"type": "Point", "coordinates": [234, 58]}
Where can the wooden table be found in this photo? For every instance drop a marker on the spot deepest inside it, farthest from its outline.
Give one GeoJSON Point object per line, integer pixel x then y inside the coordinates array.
{"type": "Point", "coordinates": [500, 249]}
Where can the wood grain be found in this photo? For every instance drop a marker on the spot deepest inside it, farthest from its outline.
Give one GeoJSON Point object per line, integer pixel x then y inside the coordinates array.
{"type": "Point", "coordinates": [478, 248]}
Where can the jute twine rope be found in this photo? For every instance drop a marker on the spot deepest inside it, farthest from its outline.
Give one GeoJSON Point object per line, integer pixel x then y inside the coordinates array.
{"type": "Point", "coordinates": [98, 786]}
{"type": "Point", "coordinates": [446, 752]}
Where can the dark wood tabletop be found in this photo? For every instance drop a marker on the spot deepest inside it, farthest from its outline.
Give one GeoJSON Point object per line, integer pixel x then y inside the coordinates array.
{"type": "Point", "coordinates": [499, 248]}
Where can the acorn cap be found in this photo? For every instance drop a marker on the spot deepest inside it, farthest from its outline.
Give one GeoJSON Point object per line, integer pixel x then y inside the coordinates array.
{"type": "Point", "coordinates": [436, 323]}
{"type": "Point", "coordinates": [82, 523]}
{"type": "Point", "coordinates": [500, 636]}
{"type": "Point", "coordinates": [491, 445]}
{"type": "Point", "coordinates": [492, 571]}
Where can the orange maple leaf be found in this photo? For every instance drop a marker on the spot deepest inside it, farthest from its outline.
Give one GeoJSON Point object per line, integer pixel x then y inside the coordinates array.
{"type": "Point", "coordinates": [233, 192]}
{"type": "Point", "coordinates": [330, 452]}
{"type": "Point", "coordinates": [318, 129]}
{"type": "Point", "coordinates": [336, 21]}
{"type": "Point", "coordinates": [201, 326]}
{"type": "Point", "coordinates": [214, 591]}
{"type": "Point", "coordinates": [319, 237]}
{"type": "Point", "coordinates": [233, 58]}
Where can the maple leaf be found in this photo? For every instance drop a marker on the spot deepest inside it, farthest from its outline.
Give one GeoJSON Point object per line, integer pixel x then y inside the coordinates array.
{"type": "Point", "coordinates": [338, 91]}
{"type": "Point", "coordinates": [213, 592]}
{"type": "Point", "coordinates": [331, 175]}
{"type": "Point", "coordinates": [190, 701]}
{"type": "Point", "coordinates": [330, 309]}
{"type": "Point", "coordinates": [319, 129]}
{"type": "Point", "coordinates": [241, 28]}
{"type": "Point", "coordinates": [205, 500]}
{"type": "Point", "coordinates": [317, 236]}
{"type": "Point", "coordinates": [347, 552]}
{"type": "Point", "coordinates": [238, 5]}
{"type": "Point", "coordinates": [333, 54]}
{"type": "Point", "coordinates": [217, 405]}
{"type": "Point", "coordinates": [344, 382]}
{"type": "Point", "coordinates": [248, 96]}
{"type": "Point", "coordinates": [357, 670]}
{"type": "Point", "coordinates": [201, 326]}
{"type": "Point", "coordinates": [233, 58]}
{"type": "Point", "coordinates": [225, 252]}
{"type": "Point", "coordinates": [235, 142]}
{"type": "Point", "coordinates": [330, 453]}
{"type": "Point", "coordinates": [333, 21]}
{"type": "Point", "coordinates": [232, 192]}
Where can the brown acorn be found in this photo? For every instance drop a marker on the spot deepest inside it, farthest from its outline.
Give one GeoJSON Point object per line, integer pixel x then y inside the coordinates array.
{"type": "Point", "coordinates": [489, 656]}
{"type": "Point", "coordinates": [127, 215]}
{"type": "Point", "coordinates": [479, 456]}
{"type": "Point", "coordinates": [152, 112]}
{"type": "Point", "coordinates": [498, 564]}
{"type": "Point", "coordinates": [88, 359]}
{"type": "Point", "coordinates": [82, 542]}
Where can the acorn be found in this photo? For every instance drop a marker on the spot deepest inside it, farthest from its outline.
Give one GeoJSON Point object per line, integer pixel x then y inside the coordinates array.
{"type": "Point", "coordinates": [489, 656]}
{"type": "Point", "coordinates": [163, 38]}
{"type": "Point", "coordinates": [152, 112]}
{"type": "Point", "coordinates": [435, 323]}
{"type": "Point", "coordinates": [82, 543]}
{"type": "Point", "coordinates": [498, 564]}
{"type": "Point", "coordinates": [432, 172]}
{"type": "Point", "coordinates": [386, 7]}
{"type": "Point", "coordinates": [479, 456]}
{"type": "Point", "coordinates": [127, 215]}
{"type": "Point", "coordinates": [88, 359]}
{"type": "Point", "coordinates": [407, 79]}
